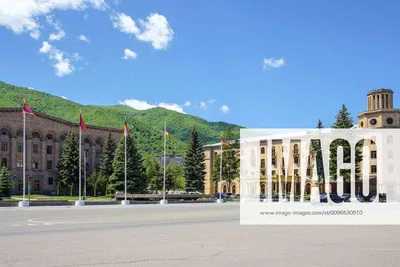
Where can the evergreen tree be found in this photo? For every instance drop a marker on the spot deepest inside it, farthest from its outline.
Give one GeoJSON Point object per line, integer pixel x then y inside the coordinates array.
{"type": "Point", "coordinates": [194, 165]}
{"type": "Point", "coordinates": [68, 169]}
{"type": "Point", "coordinates": [136, 173]}
{"type": "Point", "coordinates": [343, 121]}
{"type": "Point", "coordinates": [5, 184]}
{"type": "Point", "coordinates": [107, 158]}
{"type": "Point", "coordinates": [230, 160]}
{"type": "Point", "coordinates": [97, 183]}
{"type": "Point", "coordinates": [154, 171]}
{"type": "Point", "coordinates": [316, 153]}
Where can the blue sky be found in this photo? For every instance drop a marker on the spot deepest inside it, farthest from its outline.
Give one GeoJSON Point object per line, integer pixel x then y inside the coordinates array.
{"type": "Point", "coordinates": [320, 55]}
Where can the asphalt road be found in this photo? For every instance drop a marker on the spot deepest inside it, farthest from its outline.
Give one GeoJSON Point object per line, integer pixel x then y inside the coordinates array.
{"type": "Point", "coordinates": [182, 235]}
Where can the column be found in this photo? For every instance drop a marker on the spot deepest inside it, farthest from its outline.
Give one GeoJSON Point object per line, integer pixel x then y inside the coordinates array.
{"type": "Point", "coordinates": [43, 155]}
{"type": "Point", "coordinates": [92, 157]}
{"type": "Point", "coordinates": [13, 153]}
{"type": "Point", "coordinates": [28, 154]}
{"type": "Point", "coordinates": [376, 102]}
{"type": "Point", "coordinates": [382, 98]}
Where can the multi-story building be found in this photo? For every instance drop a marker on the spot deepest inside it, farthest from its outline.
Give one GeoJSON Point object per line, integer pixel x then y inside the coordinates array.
{"type": "Point", "coordinates": [171, 159]}
{"type": "Point", "coordinates": [380, 114]}
{"type": "Point", "coordinates": [44, 140]}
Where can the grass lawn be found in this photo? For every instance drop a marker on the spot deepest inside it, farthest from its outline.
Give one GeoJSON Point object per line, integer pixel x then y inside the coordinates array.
{"type": "Point", "coordinates": [44, 197]}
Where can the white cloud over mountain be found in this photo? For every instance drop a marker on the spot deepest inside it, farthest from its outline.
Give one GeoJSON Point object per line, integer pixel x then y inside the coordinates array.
{"type": "Point", "coordinates": [143, 105]}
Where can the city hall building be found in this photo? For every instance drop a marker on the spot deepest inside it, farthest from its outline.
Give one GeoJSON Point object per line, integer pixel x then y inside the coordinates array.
{"type": "Point", "coordinates": [380, 114]}
{"type": "Point", "coordinates": [44, 140]}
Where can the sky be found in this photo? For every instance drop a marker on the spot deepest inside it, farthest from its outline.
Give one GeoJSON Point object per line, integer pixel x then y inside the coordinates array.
{"type": "Point", "coordinates": [258, 64]}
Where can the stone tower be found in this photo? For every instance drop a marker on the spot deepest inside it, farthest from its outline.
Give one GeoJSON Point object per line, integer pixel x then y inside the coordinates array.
{"type": "Point", "coordinates": [380, 113]}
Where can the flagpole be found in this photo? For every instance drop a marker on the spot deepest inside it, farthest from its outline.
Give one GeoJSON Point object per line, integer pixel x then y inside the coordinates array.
{"type": "Point", "coordinates": [165, 142]}
{"type": "Point", "coordinates": [125, 159]}
{"type": "Point", "coordinates": [24, 167]}
{"type": "Point", "coordinates": [80, 202]}
{"type": "Point", "coordinates": [220, 174]}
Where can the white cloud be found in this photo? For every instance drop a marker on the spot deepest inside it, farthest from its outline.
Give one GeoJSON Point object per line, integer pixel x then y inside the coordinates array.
{"type": "Point", "coordinates": [22, 16]}
{"type": "Point", "coordinates": [63, 97]}
{"type": "Point", "coordinates": [83, 38]}
{"type": "Point", "coordinates": [224, 109]}
{"type": "Point", "coordinates": [155, 29]}
{"type": "Point", "coordinates": [273, 63]}
{"type": "Point", "coordinates": [57, 36]}
{"type": "Point", "coordinates": [46, 47]}
{"type": "Point", "coordinates": [211, 101]}
{"type": "Point", "coordinates": [86, 15]}
{"type": "Point", "coordinates": [62, 63]}
{"type": "Point", "coordinates": [129, 54]}
{"type": "Point", "coordinates": [56, 25]}
{"type": "Point", "coordinates": [124, 23]}
{"type": "Point", "coordinates": [143, 105]}
{"type": "Point", "coordinates": [187, 104]}
{"type": "Point", "coordinates": [203, 105]}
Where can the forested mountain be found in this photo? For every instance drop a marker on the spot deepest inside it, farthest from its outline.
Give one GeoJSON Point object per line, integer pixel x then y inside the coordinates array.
{"type": "Point", "coordinates": [147, 126]}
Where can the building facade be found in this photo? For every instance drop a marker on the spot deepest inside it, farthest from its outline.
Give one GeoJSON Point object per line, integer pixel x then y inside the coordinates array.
{"type": "Point", "coordinates": [380, 114]}
{"type": "Point", "coordinates": [44, 141]}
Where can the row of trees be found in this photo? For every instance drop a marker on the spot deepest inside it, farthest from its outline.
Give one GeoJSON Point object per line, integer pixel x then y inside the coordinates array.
{"type": "Point", "coordinates": [144, 171]}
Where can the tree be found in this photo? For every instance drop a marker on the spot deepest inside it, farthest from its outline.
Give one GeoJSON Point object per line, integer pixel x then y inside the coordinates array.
{"type": "Point", "coordinates": [194, 165]}
{"type": "Point", "coordinates": [154, 172]}
{"type": "Point", "coordinates": [5, 184]}
{"type": "Point", "coordinates": [136, 173]}
{"type": "Point", "coordinates": [68, 168]}
{"type": "Point", "coordinates": [230, 160]}
{"type": "Point", "coordinates": [107, 158]}
{"type": "Point", "coordinates": [97, 183]}
{"type": "Point", "coordinates": [174, 177]}
{"type": "Point", "coordinates": [316, 153]}
{"type": "Point", "coordinates": [343, 121]}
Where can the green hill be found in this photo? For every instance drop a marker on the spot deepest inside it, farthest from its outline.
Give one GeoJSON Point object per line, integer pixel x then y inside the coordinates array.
{"type": "Point", "coordinates": [147, 126]}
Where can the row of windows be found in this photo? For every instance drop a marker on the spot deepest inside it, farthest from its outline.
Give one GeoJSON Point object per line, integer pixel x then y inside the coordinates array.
{"type": "Point", "coordinates": [295, 149]}
{"type": "Point", "coordinates": [296, 171]}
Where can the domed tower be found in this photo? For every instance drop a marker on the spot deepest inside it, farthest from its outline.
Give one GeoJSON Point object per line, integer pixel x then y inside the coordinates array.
{"type": "Point", "coordinates": [380, 113]}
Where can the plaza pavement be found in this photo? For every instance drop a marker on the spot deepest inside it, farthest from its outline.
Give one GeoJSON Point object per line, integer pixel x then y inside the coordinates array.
{"type": "Point", "coordinates": [182, 235]}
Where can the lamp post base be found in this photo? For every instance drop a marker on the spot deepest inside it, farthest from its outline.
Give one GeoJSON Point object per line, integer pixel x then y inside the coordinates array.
{"type": "Point", "coordinates": [220, 201]}
{"type": "Point", "coordinates": [79, 203]}
{"type": "Point", "coordinates": [23, 204]}
{"type": "Point", "coordinates": [163, 201]}
{"type": "Point", "coordinates": [125, 202]}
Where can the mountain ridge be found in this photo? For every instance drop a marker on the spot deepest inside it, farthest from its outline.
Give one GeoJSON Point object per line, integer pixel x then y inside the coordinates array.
{"type": "Point", "coordinates": [146, 125]}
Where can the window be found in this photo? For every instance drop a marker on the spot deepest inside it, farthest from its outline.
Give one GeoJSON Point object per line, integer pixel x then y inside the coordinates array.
{"type": "Point", "coordinates": [373, 168]}
{"type": "Point", "coordinates": [99, 142]}
{"type": "Point", "coordinates": [262, 150]}
{"type": "Point", "coordinates": [49, 164]}
{"type": "Point", "coordinates": [283, 161]}
{"type": "Point", "coordinates": [20, 148]}
{"type": "Point", "coordinates": [50, 180]}
{"type": "Point", "coordinates": [4, 146]}
{"type": "Point", "coordinates": [273, 172]}
{"type": "Point", "coordinates": [262, 163]}
{"type": "Point", "coordinates": [4, 132]}
{"type": "Point", "coordinates": [35, 164]}
{"type": "Point", "coordinates": [20, 162]}
{"type": "Point", "coordinates": [3, 163]}
{"type": "Point", "coordinates": [372, 142]}
{"type": "Point", "coordinates": [296, 160]}
{"type": "Point", "coordinates": [263, 172]}
{"type": "Point", "coordinates": [87, 140]}
{"type": "Point", "coordinates": [35, 149]}
{"type": "Point", "coordinates": [49, 150]}
{"type": "Point", "coordinates": [98, 153]}
{"type": "Point", "coordinates": [283, 171]}
{"type": "Point", "coordinates": [20, 133]}
{"type": "Point", "coordinates": [296, 172]}
{"type": "Point", "coordinates": [296, 149]}
{"type": "Point", "coordinates": [308, 172]}
{"type": "Point", "coordinates": [273, 161]}
{"type": "Point", "coordinates": [50, 137]}
{"type": "Point", "coordinates": [86, 153]}
{"type": "Point", "coordinates": [36, 135]}
{"type": "Point", "coordinates": [273, 151]}
{"type": "Point", "coordinates": [373, 154]}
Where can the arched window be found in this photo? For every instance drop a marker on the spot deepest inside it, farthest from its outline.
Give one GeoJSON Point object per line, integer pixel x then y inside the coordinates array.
{"type": "Point", "coordinates": [296, 149]}
{"type": "Point", "coordinates": [4, 131]}
{"type": "Point", "coordinates": [234, 189]}
{"type": "Point", "coordinates": [36, 135]}
{"type": "Point", "coordinates": [263, 189]}
{"type": "Point", "coordinates": [273, 151]}
{"type": "Point", "coordinates": [20, 133]}
{"type": "Point", "coordinates": [99, 142]}
{"type": "Point", "coordinates": [262, 150]}
{"type": "Point", "coordinates": [87, 140]}
{"type": "Point", "coordinates": [224, 189]}
{"type": "Point", "coordinates": [50, 137]}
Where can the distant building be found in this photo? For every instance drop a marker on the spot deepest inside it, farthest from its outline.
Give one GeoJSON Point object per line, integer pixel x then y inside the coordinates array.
{"type": "Point", "coordinates": [171, 159]}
